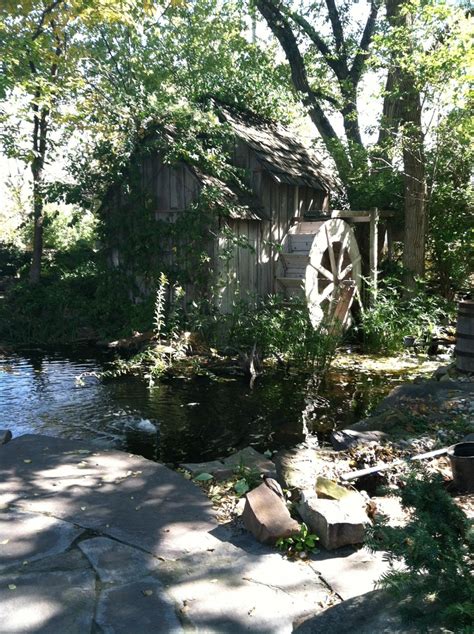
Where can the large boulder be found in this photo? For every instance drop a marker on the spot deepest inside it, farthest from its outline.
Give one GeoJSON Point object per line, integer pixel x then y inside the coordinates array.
{"type": "Point", "coordinates": [337, 523]}
{"type": "Point", "coordinates": [344, 439]}
{"type": "Point", "coordinates": [388, 421]}
{"type": "Point", "coordinates": [266, 515]}
{"type": "Point", "coordinates": [297, 468]}
{"type": "Point", "coordinates": [226, 468]}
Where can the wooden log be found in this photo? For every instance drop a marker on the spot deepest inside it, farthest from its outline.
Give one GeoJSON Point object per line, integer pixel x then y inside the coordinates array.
{"type": "Point", "coordinates": [354, 475]}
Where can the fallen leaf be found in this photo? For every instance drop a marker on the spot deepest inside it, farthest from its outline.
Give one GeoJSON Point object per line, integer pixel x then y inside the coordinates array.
{"type": "Point", "coordinates": [5, 541]}
{"type": "Point", "coordinates": [203, 477]}
{"type": "Point", "coordinates": [147, 593]}
{"type": "Point", "coordinates": [11, 586]}
{"type": "Point", "coordinates": [27, 461]}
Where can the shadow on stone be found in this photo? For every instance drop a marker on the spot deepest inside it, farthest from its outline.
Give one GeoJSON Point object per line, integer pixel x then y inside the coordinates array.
{"type": "Point", "coordinates": [371, 613]}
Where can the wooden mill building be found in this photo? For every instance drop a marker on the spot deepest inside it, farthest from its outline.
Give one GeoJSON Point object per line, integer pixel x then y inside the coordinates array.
{"type": "Point", "coordinates": [272, 223]}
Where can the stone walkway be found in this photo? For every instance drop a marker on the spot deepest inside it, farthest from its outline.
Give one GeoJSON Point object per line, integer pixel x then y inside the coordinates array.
{"type": "Point", "coordinates": [109, 543]}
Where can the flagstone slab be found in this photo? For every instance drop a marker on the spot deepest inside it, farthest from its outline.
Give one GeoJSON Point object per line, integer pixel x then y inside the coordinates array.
{"type": "Point", "coordinates": [140, 606]}
{"type": "Point", "coordinates": [115, 562]}
{"type": "Point", "coordinates": [47, 602]}
{"type": "Point", "coordinates": [350, 572]}
{"type": "Point", "coordinates": [25, 537]}
{"type": "Point", "coordinates": [143, 552]}
{"type": "Point", "coordinates": [231, 591]}
{"type": "Point", "coordinates": [134, 500]}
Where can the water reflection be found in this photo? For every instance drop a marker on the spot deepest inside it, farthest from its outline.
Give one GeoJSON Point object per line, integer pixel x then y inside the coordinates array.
{"type": "Point", "coordinates": [179, 420]}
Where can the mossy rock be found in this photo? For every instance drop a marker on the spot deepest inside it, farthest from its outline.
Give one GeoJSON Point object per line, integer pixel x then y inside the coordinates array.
{"type": "Point", "coordinates": [330, 490]}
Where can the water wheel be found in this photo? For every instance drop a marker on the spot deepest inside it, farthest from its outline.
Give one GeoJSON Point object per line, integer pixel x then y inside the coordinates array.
{"type": "Point", "coordinates": [321, 261]}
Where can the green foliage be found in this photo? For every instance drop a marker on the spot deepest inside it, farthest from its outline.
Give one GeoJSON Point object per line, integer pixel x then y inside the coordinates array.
{"type": "Point", "coordinates": [300, 544]}
{"type": "Point", "coordinates": [451, 204]}
{"type": "Point", "coordinates": [79, 299]}
{"type": "Point", "coordinates": [52, 312]}
{"type": "Point", "coordinates": [391, 316]}
{"type": "Point", "coordinates": [437, 548]}
{"type": "Point", "coordinates": [248, 479]}
{"type": "Point", "coordinates": [12, 259]}
{"type": "Point", "coordinates": [372, 181]}
{"type": "Point", "coordinates": [281, 329]}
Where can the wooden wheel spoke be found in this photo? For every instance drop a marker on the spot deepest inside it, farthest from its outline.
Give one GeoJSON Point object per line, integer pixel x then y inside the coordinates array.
{"type": "Point", "coordinates": [327, 292]}
{"type": "Point", "coordinates": [342, 252]}
{"type": "Point", "coordinates": [332, 257]}
{"type": "Point", "coordinates": [321, 269]}
{"type": "Point", "coordinates": [345, 271]}
{"type": "Point", "coordinates": [349, 268]}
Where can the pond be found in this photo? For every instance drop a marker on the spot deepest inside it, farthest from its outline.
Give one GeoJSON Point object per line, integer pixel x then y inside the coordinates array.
{"type": "Point", "coordinates": [181, 419]}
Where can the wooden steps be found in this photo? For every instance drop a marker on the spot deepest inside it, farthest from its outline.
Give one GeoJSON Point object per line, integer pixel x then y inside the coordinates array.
{"type": "Point", "coordinates": [295, 264]}
{"type": "Point", "coordinates": [300, 242]}
{"type": "Point", "coordinates": [295, 258]}
{"type": "Point", "coordinates": [290, 282]}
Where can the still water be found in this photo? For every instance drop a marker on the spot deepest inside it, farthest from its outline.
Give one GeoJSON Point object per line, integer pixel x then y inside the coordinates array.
{"type": "Point", "coordinates": [181, 419]}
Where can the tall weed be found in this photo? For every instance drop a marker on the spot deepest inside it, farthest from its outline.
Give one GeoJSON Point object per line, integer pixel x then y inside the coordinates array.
{"type": "Point", "coordinates": [391, 317]}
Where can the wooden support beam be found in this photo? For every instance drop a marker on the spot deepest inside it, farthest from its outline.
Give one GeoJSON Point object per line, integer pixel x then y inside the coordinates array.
{"type": "Point", "coordinates": [359, 215]}
{"type": "Point", "coordinates": [373, 249]}
{"type": "Point", "coordinates": [296, 203]}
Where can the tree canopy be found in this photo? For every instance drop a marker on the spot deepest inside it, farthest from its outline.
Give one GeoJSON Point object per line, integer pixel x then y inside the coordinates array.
{"type": "Point", "coordinates": [81, 81]}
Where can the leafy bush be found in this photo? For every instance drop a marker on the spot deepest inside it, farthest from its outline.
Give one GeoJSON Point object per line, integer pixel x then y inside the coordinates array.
{"type": "Point", "coordinates": [12, 259]}
{"type": "Point", "coordinates": [281, 328]}
{"type": "Point", "coordinates": [451, 225]}
{"type": "Point", "coordinates": [437, 548]}
{"type": "Point", "coordinates": [64, 306]}
{"type": "Point", "coordinates": [391, 316]}
{"type": "Point", "coordinates": [298, 545]}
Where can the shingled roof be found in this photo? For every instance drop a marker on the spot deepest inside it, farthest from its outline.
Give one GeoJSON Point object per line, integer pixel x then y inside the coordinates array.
{"type": "Point", "coordinates": [239, 203]}
{"type": "Point", "coordinates": [280, 153]}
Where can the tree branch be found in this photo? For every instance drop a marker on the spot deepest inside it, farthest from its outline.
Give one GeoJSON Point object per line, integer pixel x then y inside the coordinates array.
{"type": "Point", "coordinates": [317, 40]}
{"type": "Point", "coordinates": [45, 13]}
{"type": "Point", "coordinates": [337, 29]}
{"type": "Point", "coordinates": [282, 30]}
{"type": "Point", "coordinates": [366, 39]}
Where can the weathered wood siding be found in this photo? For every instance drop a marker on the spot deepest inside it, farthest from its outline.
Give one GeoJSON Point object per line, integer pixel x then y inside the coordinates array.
{"type": "Point", "coordinates": [249, 270]}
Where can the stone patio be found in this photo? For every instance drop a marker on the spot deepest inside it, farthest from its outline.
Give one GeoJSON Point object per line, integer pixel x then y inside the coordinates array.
{"type": "Point", "coordinates": [107, 542]}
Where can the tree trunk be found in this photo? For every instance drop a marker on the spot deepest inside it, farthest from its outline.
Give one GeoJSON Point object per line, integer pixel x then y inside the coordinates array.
{"type": "Point", "coordinates": [416, 214]}
{"type": "Point", "coordinates": [40, 131]}
{"type": "Point", "coordinates": [35, 267]}
{"type": "Point", "coordinates": [402, 113]}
